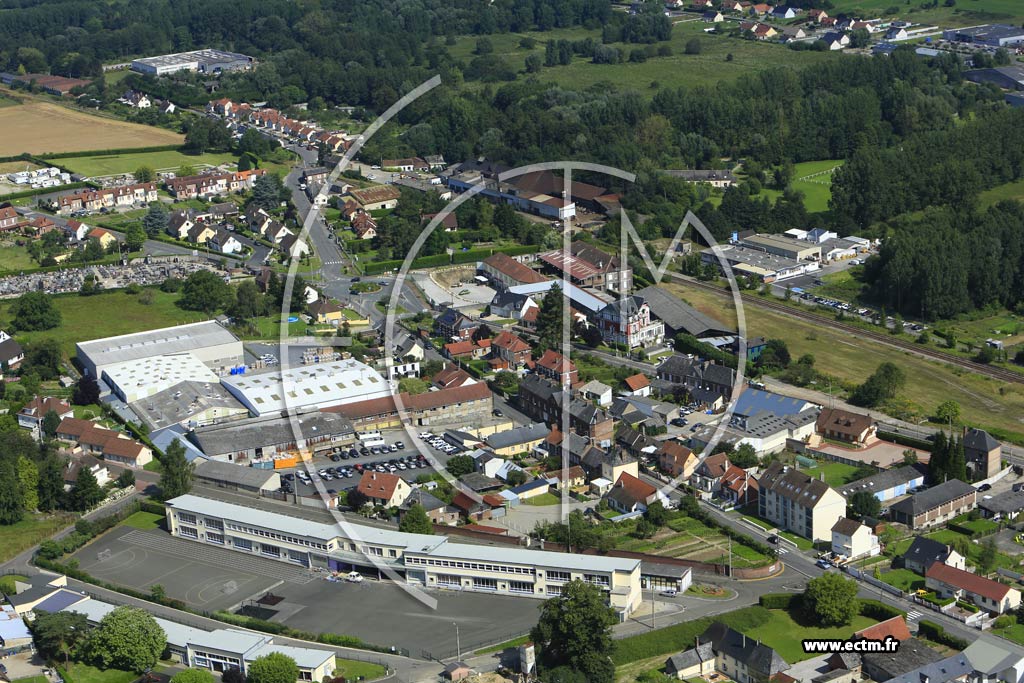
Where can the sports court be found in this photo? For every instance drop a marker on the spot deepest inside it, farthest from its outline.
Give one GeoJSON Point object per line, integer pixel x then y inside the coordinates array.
{"type": "Point", "coordinates": [205, 577]}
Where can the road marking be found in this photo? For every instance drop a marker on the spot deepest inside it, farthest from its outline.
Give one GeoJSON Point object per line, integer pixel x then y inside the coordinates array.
{"type": "Point", "coordinates": [913, 614]}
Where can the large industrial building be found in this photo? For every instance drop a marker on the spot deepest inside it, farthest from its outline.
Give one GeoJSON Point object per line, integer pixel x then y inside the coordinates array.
{"type": "Point", "coordinates": [430, 561]}
{"type": "Point", "coordinates": [307, 387]}
{"type": "Point", "coordinates": [989, 35]}
{"type": "Point", "coordinates": [203, 61]}
{"type": "Point", "coordinates": [188, 404]}
{"type": "Point", "coordinates": [210, 342]}
{"type": "Point", "coordinates": [265, 437]}
{"type": "Point", "coordinates": [138, 379]}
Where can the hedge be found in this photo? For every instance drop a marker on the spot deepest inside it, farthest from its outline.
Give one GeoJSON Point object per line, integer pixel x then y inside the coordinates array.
{"type": "Point", "coordinates": [904, 440]}
{"type": "Point", "coordinates": [107, 152]}
{"type": "Point", "coordinates": [936, 633]}
{"type": "Point", "coordinates": [778, 600]}
{"type": "Point", "coordinates": [471, 256]}
{"type": "Point", "coordinates": [669, 640]}
{"type": "Point", "coordinates": [879, 611]}
{"type": "Point", "coordinates": [152, 507]}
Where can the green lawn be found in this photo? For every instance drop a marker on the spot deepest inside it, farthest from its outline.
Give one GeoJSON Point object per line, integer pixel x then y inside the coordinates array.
{"type": "Point", "coordinates": [84, 673]}
{"type": "Point", "coordinates": [32, 679]}
{"type": "Point", "coordinates": [1015, 632]}
{"type": "Point", "coordinates": [501, 647]}
{"type": "Point", "coordinates": [143, 520]}
{"type": "Point", "coordinates": [801, 543]}
{"type": "Point", "coordinates": [974, 550]}
{"type": "Point", "coordinates": [904, 579]}
{"type": "Point", "coordinates": [844, 285]}
{"type": "Point", "coordinates": [14, 258]}
{"type": "Point", "coordinates": [1014, 191]}
{"type": "Point", "coordinates": [110, 164]}
{"type": "Point", "coordinates": [836, 473]}
{"type": "Point", "coordinates": [543, 499]}
{"type": "Point", "coordinates": [355, 670]}
{"type": "Point", "coordinates": [7, 582]}
{"type": "Point", "coordinates": [963, 13]}
{"type": "Point", "coordinates": [269, 327]}
{"type": "Point", "coordinates": [14, 538]}
{"type": "Point", "coordinates": [785, 635]}
{"type": "Point", "coordinates": [106, 315]}
{"type": "Point", "coordinates": [814, 179]}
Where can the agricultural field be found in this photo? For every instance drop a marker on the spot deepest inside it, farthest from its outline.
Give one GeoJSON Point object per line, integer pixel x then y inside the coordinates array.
{"type": "Point", "coordinates": [686, 538]}
{"type": "Point", "coordinates": [963, 13]}
{"type": "Point", "coordinates": [986, 402]}
{"type": "Point", "coordinates": [171, 160]}
{"type": "Point", "coordinates": [44, 127]}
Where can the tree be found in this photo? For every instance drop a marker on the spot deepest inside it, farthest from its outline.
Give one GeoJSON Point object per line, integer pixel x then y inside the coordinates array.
{"type": "Point", "coordinates": [460, 464]}
{"type": "Point", "coordinates": [533, 63]}
{"type": "Point", "coordinates": [12, 500]}
{"type": "Point", "coordinates": [249, 303]}
{"type": "Point", "coordinates": [28, 478]}
{"type": "Point", "coordinates": [865, 504]}
{"type": "Point", "coordinates": [273, 668]}
{"type": "Point", "coordinates": [987, 557]}
{"type": "Point", "coordinates": [744, 456]}
{"type": "Point", "coordinates": [831, 600]}
{"type": "Point", "coordinates": [516, 478]}
{"type": "Point", "coordinates": [86, 491]}
{"type": "Point", "coordinates": [693, 47]}
{"type": "Point", "coordinates": [144, 174]}
{"type": "Point", "coordinates": [415, 521]}
{"type": "Point", "coordinates": [357, 500]}
{"type": "Point", "coordinates": [549, 320]}
{"type": "Point", "coordinates": [193, 676]}
{"type": "Point", "coordinates": [176, 478]}
{"type": "Point", "coordinates": [158, 592]}
{"type": "Point", "coordinates": [232, 676]}
{"type": "Point", "coordinates": [87, 391]}
{"type": "Point", "coordinates": [51, 484]}
{"type": "Point", "coordinates": [644, 528]}
{"type": "Point", "coordinates": [125, 479]}
{"type": "Point", "coordinates": [50, 423]}
{"type": "Point", "coordinates": [34, 311]}
{"type": "Point", "coordinates": [155, 220]}
{"type": "Point", "coordinates": [266, 192]}
{"type": "Point", "coordinates": [57, 634]}
{"type": "Point", "coordinates": [204, 291]}
{"type": "Point", "coordinates": [656, 514]}
{"type": "Point", "coordinates": [948, 412]}
{"type": "Point", "coordinates": [135, 237]}
{"type": "Point", "coordinates": [880, 387]}
{"type": "Point", "coordinates": [860, 38]}
{"type": "Point", "coordinates": [574, 631]}
{"type": "Point", "coordinates": [128, 639]}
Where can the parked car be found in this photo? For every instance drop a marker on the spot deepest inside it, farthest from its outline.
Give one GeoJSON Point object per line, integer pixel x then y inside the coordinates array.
{"type": "Point", "coordinates": [354, 577]}
{"type": "Point", "coordinates": [824, 564]}
{"type": "Point", "coordinates": [669, 593]}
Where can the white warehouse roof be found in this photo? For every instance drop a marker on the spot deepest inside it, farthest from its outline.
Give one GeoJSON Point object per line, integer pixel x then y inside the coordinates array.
{"type": "Point", "coordinates": [100, 353]}
{"type": "Point", "coordinates": [137, 379]}
{"type": "Point", "coordinates": [312, 386]}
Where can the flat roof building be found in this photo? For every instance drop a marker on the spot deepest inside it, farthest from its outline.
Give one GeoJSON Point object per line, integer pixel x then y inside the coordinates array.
{"type": "Point", "coordinates": [990, 35]}
{"type": "Point", "coordinates": [431, 561]}
{"type": "Point", "coordinates": [189, 404]}
{"type": "Point", "coordinates": [780, 245]}
{"type": "Point", "coordinates": [757, 263]}
{"type": "Point", "coordinates": [209, 341]}
{"type": "Point", "coordinates": [207, 61]}
{"type": "Point", "coordinates": [316, 386]}
{"type": "Point", "coordinates": [138, 379]}
{"type": "Point", "coordinates": [267, 436]}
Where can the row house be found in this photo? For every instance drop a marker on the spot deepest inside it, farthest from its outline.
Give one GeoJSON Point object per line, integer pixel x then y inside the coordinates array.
{"type": "Point", "coordinates": [124, 196]}
{"type": "Point", "coordinates": [212, 184]}
{"type": "Point", "coordinates": [510, 352]}
{"type": "Point", "coordinates": [936, 505]}
{"type": "Point", "coordinates": [986, 594]}
{"type": "Point", "coordinates": [628, 322]}
{"type": "Point", "coordinates": [543, 401]}
{"type": "Point", "coordinates": [100, 441]}
{"type": "Point", "coordinates": [557, 368]}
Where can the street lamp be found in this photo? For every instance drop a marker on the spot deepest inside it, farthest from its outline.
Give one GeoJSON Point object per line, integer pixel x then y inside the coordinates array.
{"type": "Point", "coordinates": [458, 643]}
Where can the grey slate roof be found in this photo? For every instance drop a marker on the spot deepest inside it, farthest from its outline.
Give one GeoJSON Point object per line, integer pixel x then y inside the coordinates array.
{"type": "Point", "coordinates": [679, 315]}
{"type": "Point", "coordinates": [9, 350]}
{"type": "Point", "coordinates": [760, 658]}
{"type": "Point", "coordinates": [249, 477]}
{"type": "Point", "coordinates": [912, 656]}
{"type": "Point", "coordinates": [1007, 502]}
{"type": "Point", "coordinates": [881, 481]}
{"type": "Point", "coordinates": [926, 550]}
{"type": "Point", "coordinates": [980, 440]}
{"type": "Point", "coordinates": [949, 669]}
{"type": "Point", "coordinates": [689, 658]}
{"type": "Point", "coordinates": [676, 364]}
{"type": "Point", "coordinates": [792, 484]}
{"type": "Point", "coordinates": [425, 498]}
{"type": "Point", "coordinates": [235, 437]}
{"type": "Point", "coordinates": [479, 482]}
{"type": "Point", "coordinates": [933, 497]}
{"type": "Point", "coordinates": [519, 435]}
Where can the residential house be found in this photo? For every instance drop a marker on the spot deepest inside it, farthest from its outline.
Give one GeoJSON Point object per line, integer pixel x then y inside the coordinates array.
{"type": "Point", "coordinates": [739, 486]}
{"type": "Point", "coordinates": [630, 494]}
{"type": "Point", "coordinates": [363, 225]}
{"type": "Point", "coordinates": [557, 368]}
{"type": "Point", "coordinates": [405, 165]}
{"type": "Point", "coordinates": [200, 233]}
{"type": "Point", "coordinates": [924, 551]}
{"type": "Point", "coordinates": [741, 658]}
{"type": "Point", "coordinates": [1006, 505]}
{"type": "Point", "coordinates": [135, 99]}
{"type": "Point", "coordinates": [325, 312]}
{"type": "Point", "coordinates": [853, 540]}
{"type": "Point", "coordinates": [784, 12]}
{"type": "Point", "coordinates": [912, 655]}
{"type": "Point", "coordinates": [886, 484]}
{"type": "Point", "coordinates": [505, 271]}
{"type": "Point", "coordinates": [9, 217]}
{"type": "Point", "coordinates": [293, 246]}
{"type": "Point", "coordinates": [637, 385]}
{"type": "Point", "coordinates": [104, 237]}
{"type": "Point", "coordinates": [695, 663]}
{"type": "Point", "coordinates": [519, 440]}
{"type": "Point", "coordinates": [506, 304]}
{"type": "Point", "coordinates": [128, 452]}
{"type": "Point", "coordinates": [791, 33]}
{"type": "Point", "coordinates": [11, 353]}
{"type": "Point", "coordinates": [712, 17]}
{"type": "Point", "coordinates": [122, 196]}
{"type": "Point", "coordinates": [452, 324]}
{"type": "Point", "coordinates": [799, 503]}
{"type": "Point", "coordinates": [676, 460]}
{"type": "Point", "coordinates": [983, 454]}
{"type": "Point", "coordinates": [758, 30]}
{"type": "Point", "coordinates": [675, 368]}
{"type": "Point", "coordinates": [953, 669]}
{"type": "Point", "coordinates": [835, 40]}
{"type": "Point", "coordinates": [467, 349]}
{"type": "Point", "coordinates": [994, 661]}
{"type": "Point", "coordinates": [847, 426]}
{"type": "Point", "coordinates": [732, 6]}
{"type": "Point", "coordinates": [225, 242]}
{"type": "Point", "coordinates": [451, 376]}
{"type": "Point", "coordinates": [257, 219]}
{"type": "Point", "coordinates": [937, 505]}
{"type": "Point", "coordinates": [816, 15]}
{"type": "Point", "coordinates": [598, 392]}
{"type": "Point", "coordinates": [584, 265]}
{"type": "Point", "coordinates": [543, 400]}
{"type": "Point", "coordinates": [437, 510]}
{"type": "Point", "coordinates": [75, 465]}
{"type": "Point", "coordinates": [707, 477]}
{"type": "Point", "coordinates": [32, 414]}
{"type": "Point", "coordinates": [628, 322]}
{"type": "Point", "coordinates": [568, 478]}
{"type": "Point", "coordinates": [709, 383]}
{"type": "Point", "coordinates": [315, 175]}
{"type": "Point", "coordinates": [179, 223]}
{"type": "Point", "coordinates": [384, 489]}
{"type": "Point", "coordinates": [510, 352]}
{"type": "Point", "coordinates": [986, 594]}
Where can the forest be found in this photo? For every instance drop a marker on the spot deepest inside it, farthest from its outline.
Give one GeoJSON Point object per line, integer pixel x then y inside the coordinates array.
{"type": "Point", "coordinates": [913, 132]}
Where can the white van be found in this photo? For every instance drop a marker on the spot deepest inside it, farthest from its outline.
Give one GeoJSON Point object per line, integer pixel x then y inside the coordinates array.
{"type": "Point", "coordinates": [354, 577]}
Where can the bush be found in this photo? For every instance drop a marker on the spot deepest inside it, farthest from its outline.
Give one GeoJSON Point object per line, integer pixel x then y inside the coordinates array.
{"type": "Point", "coordinates": [936, 633]}
{"type": "Point", "coordinates": [778, 600]}
{"type": "Point", "coordinates": [879, 611]}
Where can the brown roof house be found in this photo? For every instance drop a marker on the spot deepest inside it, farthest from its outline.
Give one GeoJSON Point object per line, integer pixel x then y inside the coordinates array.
{"type": "Point", "coordinates": [384, 489]}
{"type": "Point", "coordinates": [630, 494]}
{"type": "Point", "coordinates": [437, 510]}
{"type": "Point", "coordinates": [637, 385]}
{"type": "Point", "coordinates": [708, 475]}
{"type": "Point", "coordinates": [985, 593]}
{"type": "Point", "coordinates": [843, 425]}
{"type": "Point", "coordinates": [676, 460]}
{"type": "Point", "coordinates": [31, 416]}
{"type": "Point", "coordinates": [510, 352]}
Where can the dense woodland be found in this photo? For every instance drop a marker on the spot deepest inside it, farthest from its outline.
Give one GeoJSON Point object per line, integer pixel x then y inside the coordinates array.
{"type": "Point", "coordinates": [914, 133]}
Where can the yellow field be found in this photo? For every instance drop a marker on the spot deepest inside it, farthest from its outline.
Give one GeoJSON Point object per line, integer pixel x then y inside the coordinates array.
{"type": "Point", "coordinates": [41, 127]}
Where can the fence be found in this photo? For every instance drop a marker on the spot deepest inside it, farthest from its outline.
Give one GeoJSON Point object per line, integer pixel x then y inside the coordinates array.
{"type": "Point", "coordinates": [867, 578]}
{"type": "Point", "coordinates": [470, 646]}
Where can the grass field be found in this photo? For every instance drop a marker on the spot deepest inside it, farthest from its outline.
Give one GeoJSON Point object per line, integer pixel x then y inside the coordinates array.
{"type": "Point", "coordinates": [1014, 190]}
{"type": "Point", "coordinates": [354, 670]}
{"type": "Point", "coordinates": [15, 166]}
{"type": "Point", "coordinates": [836, 473]}
{"type": "Point", "coordinates": [785, 635]}
{"type": "Point", "coordinates": [127, 163]}
{"type": "Point", "coordinates": [15, 538]}
{"type": "Point", "coordinates": [543, 499]}
{"type": "Point", "coordinates": [814, 179]}
{"type": "Point", "coordinates": [84, 673]}
{"type": "Point", "coordinates": [708, 67]}
{"type": "Point", "coordinates": [40, 127]}
{"type": "Point", "coordinates": [14, 258]}
{"type": "Point", "coordinates": [904, 579]}
{"type": "Point", "coordinates": [963, 13]}
{"type": "Point", "coordinates": [501, 647]}
{"type": "Point", "coordinates": [143, 520]}
{"type": "Point", "coordinates": [106, 315]}
{"type": "Point", "coordinates": [986, 402]}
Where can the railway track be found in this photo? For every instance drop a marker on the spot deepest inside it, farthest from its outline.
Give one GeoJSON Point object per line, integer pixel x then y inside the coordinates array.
{"type": "Point", "coordinates": [882, 338]}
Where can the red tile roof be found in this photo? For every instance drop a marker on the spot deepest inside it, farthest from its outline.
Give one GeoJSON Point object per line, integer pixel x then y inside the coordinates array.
{"type": "Point", "coordinates": [41, 405]}
{"type": "Point", "coordinates": [510, 341]}
{"type": "Point", "coordinates": [895, 627]}
{"type": "Point", "coordinates": [555, 362]}
{"type": "Point", "coordinates": [378, 485]}
{"type": "Point", "coordinates": [496, 531]}
{"type": "Point", "coordinates": [637, 489]}
{"type": "Point", "coordinates": [637, 382]}
{"type": "Point", "coordinates": [972, 583]}
{"type": "Point", "coordinates": [506, 265]}
{"type": "Point", "coordinates": [425, 401]}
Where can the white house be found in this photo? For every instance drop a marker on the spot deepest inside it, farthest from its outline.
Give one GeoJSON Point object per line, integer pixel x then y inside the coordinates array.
{"type": "Point", "coordinates": [225, 243]}
{"type": "Point", "coordinates": [853, 540]}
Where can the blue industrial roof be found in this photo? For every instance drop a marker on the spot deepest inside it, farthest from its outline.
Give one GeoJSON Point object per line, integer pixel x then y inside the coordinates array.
{"type": "Point", "coordinates": [12, 627]}
{"type": "Point", "coordinates": [753, 401]}
{"type": "Point", "coordinates": [60, 600]}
